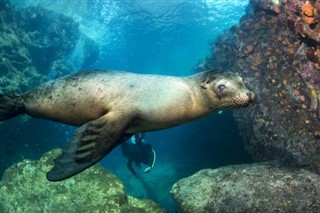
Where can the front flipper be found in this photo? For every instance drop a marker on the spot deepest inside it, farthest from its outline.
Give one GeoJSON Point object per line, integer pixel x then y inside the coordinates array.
{"type": "Point", "coordinates": [90, 143]}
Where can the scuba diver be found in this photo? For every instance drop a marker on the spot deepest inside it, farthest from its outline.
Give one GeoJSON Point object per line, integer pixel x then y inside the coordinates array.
{"type": "Point", "coordinates": [138, 151]}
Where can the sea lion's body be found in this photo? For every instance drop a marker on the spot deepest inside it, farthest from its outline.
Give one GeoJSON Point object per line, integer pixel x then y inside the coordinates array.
{"type": "Point", "coordinates": [157, 101]}
{"type": "Point", "coordinates": [109, 106]}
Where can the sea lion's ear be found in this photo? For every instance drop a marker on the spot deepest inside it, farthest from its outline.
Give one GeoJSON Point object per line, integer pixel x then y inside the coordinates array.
{"type": "Point", "coordinates": [207, 78]}
{"type": "Point", "coordinates": [204, 85]}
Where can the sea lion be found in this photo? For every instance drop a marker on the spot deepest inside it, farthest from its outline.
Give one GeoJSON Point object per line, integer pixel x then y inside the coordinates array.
{"type": "Point", "coordinates": [110, 106]}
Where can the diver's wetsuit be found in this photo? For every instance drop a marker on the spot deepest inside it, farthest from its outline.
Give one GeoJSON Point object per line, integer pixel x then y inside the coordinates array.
{"type": "Point", "coordinates": [138, 153]}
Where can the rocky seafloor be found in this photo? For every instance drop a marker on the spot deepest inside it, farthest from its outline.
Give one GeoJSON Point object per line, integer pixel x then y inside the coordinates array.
{"type": "Point", "coordinates": [260, 187]}
{"type": "Point", "coordinates": [276, 49]}
{"type": "Point", "coordinates": [24, 188]}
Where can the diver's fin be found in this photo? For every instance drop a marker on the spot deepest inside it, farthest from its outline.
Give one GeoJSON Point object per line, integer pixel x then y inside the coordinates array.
{"type": "Point", "coordinates": [10, 106]}
{"type": "Point", "coordinates": [91, 142]}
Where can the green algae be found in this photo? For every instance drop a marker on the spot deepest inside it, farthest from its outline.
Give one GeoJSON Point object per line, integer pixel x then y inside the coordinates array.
{"type": "Point", "coordinates": [24, 188]}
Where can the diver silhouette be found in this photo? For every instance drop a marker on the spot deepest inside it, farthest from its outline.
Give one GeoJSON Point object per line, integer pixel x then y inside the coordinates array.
{"type": "Point", "coordinates": [138, 151]}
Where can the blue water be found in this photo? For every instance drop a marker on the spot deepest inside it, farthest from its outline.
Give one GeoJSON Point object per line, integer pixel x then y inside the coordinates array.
{"type": "Point", "coordinates": [167, 37]}
{"type": "Point", "coordinates": [163, 37]}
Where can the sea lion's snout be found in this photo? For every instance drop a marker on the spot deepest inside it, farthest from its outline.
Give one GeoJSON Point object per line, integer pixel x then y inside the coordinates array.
{"type": "Point", "coordinates": [251, 96]}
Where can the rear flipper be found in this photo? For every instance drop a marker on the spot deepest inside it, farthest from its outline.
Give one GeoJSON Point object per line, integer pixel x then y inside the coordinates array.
{"type": "Point", "coordinates": [10, 106]}
{"type": "Point", "coordinates": [91, 143]}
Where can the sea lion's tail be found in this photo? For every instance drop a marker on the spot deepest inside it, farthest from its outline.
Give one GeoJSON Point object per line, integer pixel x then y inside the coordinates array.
{"type": "Point", "coordinates": [10, 106]}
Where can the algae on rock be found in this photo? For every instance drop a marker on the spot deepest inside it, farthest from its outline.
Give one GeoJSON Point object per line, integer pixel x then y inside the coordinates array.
{"type": "Point", "coordinates": [260, 187]}
{"type": "Point", "coordinates": [24, 188]}
{"type": "Point", "coordinates": [34, 48]}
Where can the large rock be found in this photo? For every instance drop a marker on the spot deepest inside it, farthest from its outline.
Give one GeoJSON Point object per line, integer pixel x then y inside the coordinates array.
{"type": "Point", "coordinates": [249, 188]}
{"type": "Point", "coordinates": [38, 44]}
{"type": "Point", "coordinates": [24, 188]}
{"type": "Point", "coordinates": [277, 50]}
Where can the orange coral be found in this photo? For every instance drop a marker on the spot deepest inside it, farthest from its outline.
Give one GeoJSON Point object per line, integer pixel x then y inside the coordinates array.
{"type": "Point", "coordinates": [276, 9]}
{"type": "Point", "coordinates": [308, 9]}
{"type": "Point", "coordinates": [308, 12]}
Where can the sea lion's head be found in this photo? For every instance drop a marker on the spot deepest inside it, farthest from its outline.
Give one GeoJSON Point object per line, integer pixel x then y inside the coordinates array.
{"type": "Point", "coordinates": [226, 90]}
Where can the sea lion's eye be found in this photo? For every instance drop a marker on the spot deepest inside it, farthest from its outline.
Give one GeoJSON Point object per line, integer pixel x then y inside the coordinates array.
{"type": "Point", "coordinates": [221, 88]}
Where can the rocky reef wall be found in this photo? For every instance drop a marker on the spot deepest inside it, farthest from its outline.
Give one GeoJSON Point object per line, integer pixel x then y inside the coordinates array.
{"type": "Point", "coordinates": [276, 48]}
{"type": "Point", "coordinates": [35, 46]}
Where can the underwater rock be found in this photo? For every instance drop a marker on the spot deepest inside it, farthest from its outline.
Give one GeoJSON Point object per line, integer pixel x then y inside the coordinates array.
{"type": "Point", "coordinates": [283, 69]}
{"type": "Point", "coordinates": [304, 18]}
{"type": "Point", "coordinates": [260, 187]}
{"type": "Point", "coordinates": [34, 48]}
{"type": "Point", "coordinates": [270, 6]}
{"type": "Point", "coordinates": [24, 188]}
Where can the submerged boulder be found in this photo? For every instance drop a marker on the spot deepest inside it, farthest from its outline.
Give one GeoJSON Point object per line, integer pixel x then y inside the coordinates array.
{"type": "Point", "coordinates": [24, 188]}
{"type": "Point", "coordinates": [38, 45]}
{"type": "Point", "coordinates": [260, 187]}
{"type": "Point", "coordinates": [277, 51]}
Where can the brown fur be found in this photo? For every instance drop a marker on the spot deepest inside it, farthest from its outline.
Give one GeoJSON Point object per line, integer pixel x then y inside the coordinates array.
{"type": "Point", "coordinates": [158, 101]}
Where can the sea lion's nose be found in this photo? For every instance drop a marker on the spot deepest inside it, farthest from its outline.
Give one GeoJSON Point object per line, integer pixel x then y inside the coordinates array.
{"type": "Point", "coordinates": [251, 96]}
